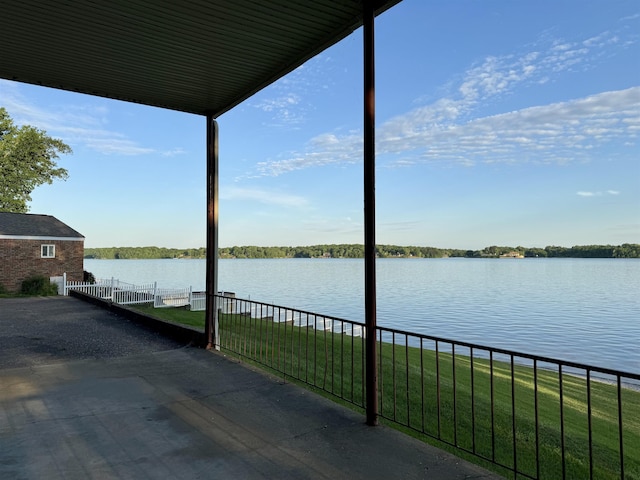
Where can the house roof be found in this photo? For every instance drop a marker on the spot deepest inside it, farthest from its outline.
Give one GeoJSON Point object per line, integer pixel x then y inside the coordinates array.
{"type": "Point", "coordinates": [31, 225]}
{"type": "Point", "coordinates": [196, 56]}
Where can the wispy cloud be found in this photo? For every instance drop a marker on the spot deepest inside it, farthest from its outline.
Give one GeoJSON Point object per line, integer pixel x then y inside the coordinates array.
{"type": "Point", "coordinates": [283, 109]}
{"type": "Point", "coordinates": [286, 101]}
{"type": "Point", "coordinates": [635, 16]}
{"type": "Point", "coordinates": [268, 197]}
{"type": "Point", "coordinates": [583, 193]}
{"type": "Point", "coordinates": [76, 124]}
{"type": "Point", "coordinates": [449, 130]}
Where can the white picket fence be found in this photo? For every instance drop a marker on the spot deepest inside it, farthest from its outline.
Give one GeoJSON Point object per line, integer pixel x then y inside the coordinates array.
{"type": "Point", "coordinates": [128, 294]}
{"type": "Point", "coordinates": [198, 301]}
{"type": "Point", "coordinates": [171, 297]}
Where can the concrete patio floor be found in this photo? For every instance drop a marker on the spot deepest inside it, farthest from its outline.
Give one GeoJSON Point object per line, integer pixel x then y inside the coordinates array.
{"type": "Point", "coordinates": [86, 394]}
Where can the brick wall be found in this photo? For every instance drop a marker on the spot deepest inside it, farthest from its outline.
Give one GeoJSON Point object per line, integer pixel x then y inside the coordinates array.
{"type": "Point", "coordinates": [21, 259]}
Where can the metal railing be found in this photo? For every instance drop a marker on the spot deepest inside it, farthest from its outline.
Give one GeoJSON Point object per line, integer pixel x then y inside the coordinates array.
{"type": "Point", "coordinates": [324, 352]}
{"type": "Point", "coordinates": [531, 416]}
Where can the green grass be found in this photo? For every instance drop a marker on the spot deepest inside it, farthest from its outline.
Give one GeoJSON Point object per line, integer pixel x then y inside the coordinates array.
{"type": "Point", "coordinates": [417, 392]}
{"type": "Point", "coordinates": [176, 315]}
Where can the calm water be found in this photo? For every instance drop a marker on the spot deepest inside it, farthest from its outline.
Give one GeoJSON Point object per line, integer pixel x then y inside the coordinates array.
{"type": "Point", "coordinates": [584, 310]}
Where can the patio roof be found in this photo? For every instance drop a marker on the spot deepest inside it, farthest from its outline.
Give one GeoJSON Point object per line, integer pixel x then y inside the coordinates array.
{"type": "Point", "coordinates": [197, 56]}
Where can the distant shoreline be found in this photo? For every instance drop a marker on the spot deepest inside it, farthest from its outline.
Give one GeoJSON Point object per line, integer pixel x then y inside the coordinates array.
{"type": "Point", "coordinates": [626, 250]}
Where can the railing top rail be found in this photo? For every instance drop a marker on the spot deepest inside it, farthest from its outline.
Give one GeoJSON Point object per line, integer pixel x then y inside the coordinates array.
{"type": "Point", "coordinates": [504, 351]}
{"type": "Point", "coordinates": [282, 307]}
{"type": "Point", "coordinates": [475, 346]}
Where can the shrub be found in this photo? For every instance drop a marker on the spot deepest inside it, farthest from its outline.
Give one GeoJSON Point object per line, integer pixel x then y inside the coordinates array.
{"type": "Point", "coordinates": [88, 277]}
{"type": "Point", "coordinates": [38, 285]}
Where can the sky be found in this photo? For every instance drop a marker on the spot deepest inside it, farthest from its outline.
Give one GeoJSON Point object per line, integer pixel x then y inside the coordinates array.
{"type": "Point", "coordinates": [497, 123]}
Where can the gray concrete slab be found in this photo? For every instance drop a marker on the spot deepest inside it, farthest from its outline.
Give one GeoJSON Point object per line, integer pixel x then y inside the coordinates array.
{"type": "Point", "coordinates": [171, 411]}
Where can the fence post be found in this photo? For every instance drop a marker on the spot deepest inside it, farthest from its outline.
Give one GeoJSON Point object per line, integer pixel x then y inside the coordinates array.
{"type": "Point", "coordinates": [112, 287]}
{"type": "Point", "coordinates": [64, 284]}
{"type": "Point", "coordinates": [155, 290]}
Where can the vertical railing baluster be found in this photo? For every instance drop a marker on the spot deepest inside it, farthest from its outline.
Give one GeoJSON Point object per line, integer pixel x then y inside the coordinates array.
{"type": "Point", "coordinates": [473, 406]}
{"type": "Point", "coordinates": [353, 377]}
{"type": "Point", "coordinates": [422, 383]}
{"type": "Point", "coordinates": [261, 342]}
{"type": "Point", "coordinates": [620, 427]}
{"type": "Point", "coordinates": [333, 358]}
{"type": "Point", "coordinates": [278, 346]}
{"type": "Point", "coordinates": [342, 359]}
{"type": "Point", "coordinates": [315, 350]}
{"type": "Point", "coordinates": [293, 315]}
{"type": "Point", "coordinates": [380, 374]}
{"type": "Point", "coordinates": [590, 427]}
{"type": "Point", "coordinates": [326, 353]}
{"type": "Point", "coordinates": [537, 417]}
{"type": "Point", "coordinates": [275, 344]}
{"type": "Point", "coordinates": [438, 388]}
{"type": "Point", "coordinates": [493, 424]}
{"type": "Point", "coordinates": [393, 371]}
{"type": "Point", "coordinates": [561, 392]}
{"type": "Point", "coordinates": [513, 416]}
{"type": "Point", "coordinates": [406, 351]}
{"type": "Point", "coordinates": [250, 336]}
{"type": "Point", "coordinates": [306, 349]}
{"type": "Point", "coordinates": [455, 399]}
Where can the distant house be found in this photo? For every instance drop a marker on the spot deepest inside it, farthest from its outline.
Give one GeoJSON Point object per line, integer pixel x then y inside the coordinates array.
{"type": "Point", "coordinates": [513, 254]}
{"type": "Point", "coordinates": [37, 245]}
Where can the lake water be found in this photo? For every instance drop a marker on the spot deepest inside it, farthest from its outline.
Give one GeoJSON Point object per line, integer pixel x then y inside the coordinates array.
{"type": "Point", "coordinates": [583, 310]}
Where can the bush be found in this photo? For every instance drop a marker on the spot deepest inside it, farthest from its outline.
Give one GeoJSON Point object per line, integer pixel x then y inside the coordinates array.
{"type": "Point", "coordinates": [38, 285]}
{"type": "Point", "coordinates": [88, 277]}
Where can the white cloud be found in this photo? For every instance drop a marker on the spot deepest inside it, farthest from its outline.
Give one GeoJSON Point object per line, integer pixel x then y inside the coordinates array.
{"type": "Point", "coordinates": [284, 101]}
{"type": "Point", "coordinates": [555, 133]}
{"type": "Point", "coordinates": [630, 17]}
{"type": "Point", "coordinates": [597, 194]}
{"type": "Point", "coordinates": [445, 131]}
{"type": "Point", "coordinates": [76, 124]}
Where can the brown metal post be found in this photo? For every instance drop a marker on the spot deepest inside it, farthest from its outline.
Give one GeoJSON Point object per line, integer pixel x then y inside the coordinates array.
{"type": "Point", "coordinates": [211, 313]}
{"type": "Point", "coordinates": [370, 215]}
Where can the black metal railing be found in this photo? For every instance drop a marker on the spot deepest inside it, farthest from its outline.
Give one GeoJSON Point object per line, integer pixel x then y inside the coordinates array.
{"type": "Point", "coordinates": [531, 416]}
{"type": "Point", "coordinates": [324, 352]}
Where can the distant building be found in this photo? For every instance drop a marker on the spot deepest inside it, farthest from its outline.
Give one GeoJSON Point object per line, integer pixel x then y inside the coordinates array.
{"type": "Point", "coordinates": [37, 245]}
{"type": "Point", "coordinates": [513, 254]}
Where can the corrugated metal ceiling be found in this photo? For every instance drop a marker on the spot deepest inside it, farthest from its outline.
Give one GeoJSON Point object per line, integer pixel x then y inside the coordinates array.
{"type": "Point", "coordinates": [195, 56]}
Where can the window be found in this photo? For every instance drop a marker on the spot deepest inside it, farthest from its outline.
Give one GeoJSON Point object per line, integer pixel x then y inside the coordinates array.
{"type": "Point", "coordinates": [48, 251]}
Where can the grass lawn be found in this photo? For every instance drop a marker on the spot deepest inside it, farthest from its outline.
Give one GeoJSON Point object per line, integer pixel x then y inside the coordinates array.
{"type": "Point", "coordinates": [467, 404]}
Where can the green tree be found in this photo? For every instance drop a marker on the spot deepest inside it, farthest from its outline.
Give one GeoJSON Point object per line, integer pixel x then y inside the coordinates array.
{"type": "Point", "coordinates": [27, 160]}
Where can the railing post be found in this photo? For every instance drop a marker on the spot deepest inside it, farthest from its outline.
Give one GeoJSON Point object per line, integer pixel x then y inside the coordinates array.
{"type": "Point", "coordinates": [211, 313]}
{"type": "Point", "coordinates": [64, 284]}
{"type": "Point", "coordinates": [371, 374]}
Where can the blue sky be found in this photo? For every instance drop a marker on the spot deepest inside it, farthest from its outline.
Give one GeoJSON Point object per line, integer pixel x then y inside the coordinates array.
{"type": "Point", "coordinates": [498, 123]}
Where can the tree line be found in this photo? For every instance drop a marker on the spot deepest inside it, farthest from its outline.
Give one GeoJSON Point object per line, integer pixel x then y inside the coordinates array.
{"type": "Point", "coordinates": [626, 250]}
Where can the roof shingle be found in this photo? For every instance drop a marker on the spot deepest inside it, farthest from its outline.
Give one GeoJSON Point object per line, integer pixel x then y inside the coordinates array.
{"type": "Point", "coordinates": [31, 225]}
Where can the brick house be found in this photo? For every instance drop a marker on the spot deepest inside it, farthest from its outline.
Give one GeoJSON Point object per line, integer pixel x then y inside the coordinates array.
{"type": "Point", "coordinates": [37, 245]}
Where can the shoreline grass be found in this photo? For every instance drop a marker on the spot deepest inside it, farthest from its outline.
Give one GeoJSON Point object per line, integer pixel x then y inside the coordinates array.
{"type": "Point", "coordinates": [467, 404]}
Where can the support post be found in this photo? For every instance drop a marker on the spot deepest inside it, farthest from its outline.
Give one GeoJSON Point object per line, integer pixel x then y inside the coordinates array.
{"type": "Point", "coordinates": [211, 312]}
{"type": "Point", "coordinates": [370, 216]}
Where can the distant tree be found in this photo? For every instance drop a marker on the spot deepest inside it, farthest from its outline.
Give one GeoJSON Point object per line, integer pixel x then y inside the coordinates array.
{"type": "Point", "coordinates": [27, 160]}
